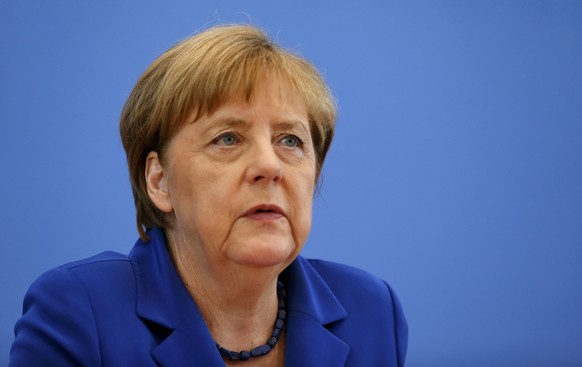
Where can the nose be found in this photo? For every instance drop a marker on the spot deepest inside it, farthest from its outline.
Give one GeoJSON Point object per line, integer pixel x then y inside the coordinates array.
{"type": "Point", "coordinates": [264, 164]}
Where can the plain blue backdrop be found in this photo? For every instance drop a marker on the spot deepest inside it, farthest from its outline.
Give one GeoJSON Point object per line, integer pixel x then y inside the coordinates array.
{"type": "Point", "coordinates": [456, 172]}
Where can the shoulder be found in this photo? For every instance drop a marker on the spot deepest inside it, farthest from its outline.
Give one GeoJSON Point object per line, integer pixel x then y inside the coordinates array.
{"type": "Point", "coordinates": [88, 280]}
{"type": "Point", "coordinates": [73, 300]}
{"type": "Point", "coordinates": [104, 259]}
{"type": "Point", "coordinates": [108, 269]}
{"type": "Point", "coordinates": [371, 305]}
{"type": "Point", "coordinates": [345, 272]}
{"type": "Point", "coordinates": [103, 281]}
{"type": "Point", "coordinates": [348, 280]}
{"type": "Point", "coordinates": [358, 291]}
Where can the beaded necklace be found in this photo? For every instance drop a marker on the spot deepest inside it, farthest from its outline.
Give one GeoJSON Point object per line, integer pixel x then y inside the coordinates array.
{"type": "Point", "coordinates": [264, 349]}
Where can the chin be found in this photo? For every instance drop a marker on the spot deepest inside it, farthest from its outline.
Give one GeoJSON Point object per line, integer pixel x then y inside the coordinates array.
{"type": "Point", "coordinates": [264, 254]}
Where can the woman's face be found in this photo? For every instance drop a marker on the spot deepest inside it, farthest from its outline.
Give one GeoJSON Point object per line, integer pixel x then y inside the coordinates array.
{"type": "Point", "coordinates": [240, 181]}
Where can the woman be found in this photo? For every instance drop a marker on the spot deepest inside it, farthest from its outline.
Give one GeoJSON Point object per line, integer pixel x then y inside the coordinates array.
{"type": "Point", "coordinates": [225, 136]}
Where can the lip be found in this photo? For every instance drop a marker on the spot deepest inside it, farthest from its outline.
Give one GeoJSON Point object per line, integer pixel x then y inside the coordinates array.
{"type": "Point", "coordinates": [265, 212]}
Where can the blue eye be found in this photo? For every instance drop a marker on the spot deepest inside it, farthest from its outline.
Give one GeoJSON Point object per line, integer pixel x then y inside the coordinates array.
{"type": "Point", "coordinates": [227, 139]}
{"type": "Point", "coordinates": [291, 141]}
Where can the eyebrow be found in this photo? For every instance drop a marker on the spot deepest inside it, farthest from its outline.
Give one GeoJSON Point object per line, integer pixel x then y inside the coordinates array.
{"type": "Point", "coordinates": [229, 121]}
{"type": "Point", "coordinates": [292, 124]}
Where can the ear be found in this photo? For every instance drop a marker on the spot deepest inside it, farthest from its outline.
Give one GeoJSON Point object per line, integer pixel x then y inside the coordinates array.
{"type": "Point", "coordinates": [157, 183]}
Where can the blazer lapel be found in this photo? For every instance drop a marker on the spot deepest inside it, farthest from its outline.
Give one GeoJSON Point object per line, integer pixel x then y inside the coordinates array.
{"type": "Point", "coordinates": [189, 345]}
{"type": "Point", "coordinates": [311, 307]}
{"type": "Point", "coordinates": [164, 303]}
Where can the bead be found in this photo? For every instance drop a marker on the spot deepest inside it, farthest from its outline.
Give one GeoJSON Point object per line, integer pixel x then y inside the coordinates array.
{"type": "Point", "coordinates": [225, 353]}
{"type": "Point", "coordinates": [279, 324]}
{"type": "Point", "coordinates": [256, 352]}
{"type": "Point", "coordinates": [261, 350]}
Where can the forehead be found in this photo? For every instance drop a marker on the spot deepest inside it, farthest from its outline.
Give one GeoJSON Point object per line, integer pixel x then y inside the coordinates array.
{"type": "Point", "coordinates": [270, 89]}
{"type": "Point", "coordinates": [269, 98]}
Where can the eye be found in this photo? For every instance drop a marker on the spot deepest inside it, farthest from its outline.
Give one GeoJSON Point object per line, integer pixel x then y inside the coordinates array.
{"type": "Point", "coordinates": [227, 139]}
{"type": "Point", "coordinates": [291, 141]}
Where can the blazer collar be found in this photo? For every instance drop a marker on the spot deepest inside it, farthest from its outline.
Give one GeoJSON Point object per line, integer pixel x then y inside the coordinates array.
{"type": "Point", "coordinates": [162, 299]}
{"type": "Point", "coordinates": [161, 294]}
{"type": "Point", "coordinates": [311, 307]}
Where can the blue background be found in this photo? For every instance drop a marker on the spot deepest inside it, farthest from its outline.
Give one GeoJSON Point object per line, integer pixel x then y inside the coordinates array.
{"type": "Point", "coordinates": [456, 173]}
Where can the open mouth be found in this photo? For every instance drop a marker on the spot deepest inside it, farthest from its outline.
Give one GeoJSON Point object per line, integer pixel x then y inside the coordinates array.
{"type": "Point", "coordinates": [265, 212]}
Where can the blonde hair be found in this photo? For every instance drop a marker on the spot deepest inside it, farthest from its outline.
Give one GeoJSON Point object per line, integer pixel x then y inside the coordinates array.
{"type": "Point", "coordinates": [195, 77]}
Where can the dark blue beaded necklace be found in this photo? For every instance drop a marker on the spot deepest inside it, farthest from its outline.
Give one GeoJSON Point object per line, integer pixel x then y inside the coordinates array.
{"type": "Point", "coordinates": [261, 350]}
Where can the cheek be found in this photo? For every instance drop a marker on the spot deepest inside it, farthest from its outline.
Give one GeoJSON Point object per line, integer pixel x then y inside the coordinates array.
{"type": "Point", "coordinates": [197, 192]}
{"type": "Point", "coordinates": [303, 205]}
{"type": "Point", "coordinates": [305, 218]}
{"type": "Point", "coordinates": [213, 199]}
{"type": "Point", "coordinates": [302, 225]}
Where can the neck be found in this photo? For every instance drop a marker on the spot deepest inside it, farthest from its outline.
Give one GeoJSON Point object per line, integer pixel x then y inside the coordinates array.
{"type": "Point", "coordinates": [238, 303]}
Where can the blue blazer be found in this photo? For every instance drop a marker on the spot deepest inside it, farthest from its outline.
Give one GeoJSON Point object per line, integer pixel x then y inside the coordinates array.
{"type": "Point", "coordinates": [116, 310]}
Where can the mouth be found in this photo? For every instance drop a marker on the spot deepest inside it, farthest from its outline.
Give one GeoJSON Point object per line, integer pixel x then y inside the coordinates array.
{"type": "Point", "coordinates": [265, 212]}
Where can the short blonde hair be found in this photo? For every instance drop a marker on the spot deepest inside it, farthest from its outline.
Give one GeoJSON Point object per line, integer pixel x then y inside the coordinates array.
{"type": "Point", "coordinates": [196, 76]}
